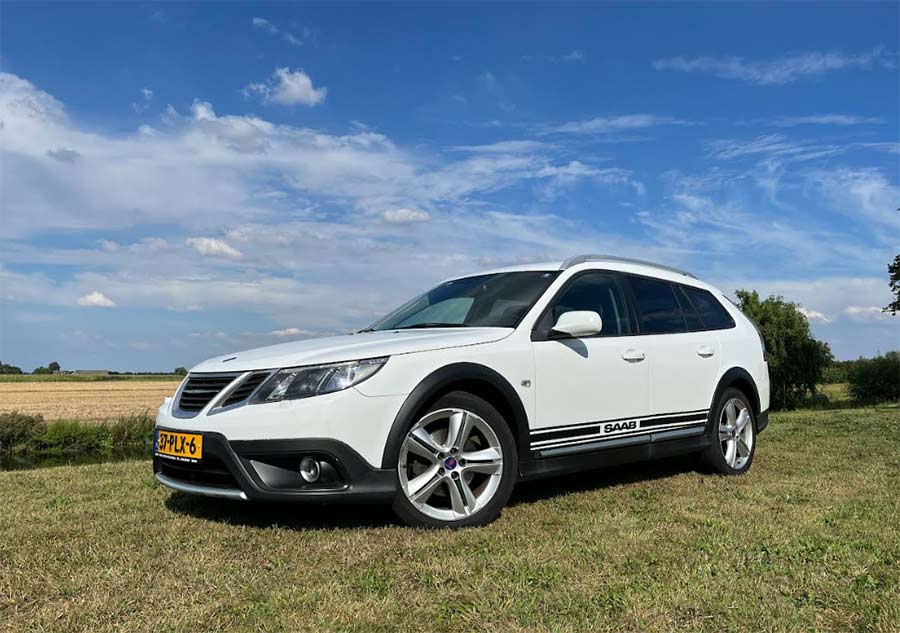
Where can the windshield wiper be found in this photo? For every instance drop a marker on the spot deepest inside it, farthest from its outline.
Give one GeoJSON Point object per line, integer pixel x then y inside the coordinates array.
{"type": "Point", "coordinates": [416, 326]}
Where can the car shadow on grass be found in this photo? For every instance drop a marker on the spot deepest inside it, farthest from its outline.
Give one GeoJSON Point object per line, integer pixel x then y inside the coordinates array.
{"type": "Point", "coordinates": [312, 516]}
{"type": "Point", "coordinates": [586, 481]}
{"type": "Point", "coordinates": [293, 516]}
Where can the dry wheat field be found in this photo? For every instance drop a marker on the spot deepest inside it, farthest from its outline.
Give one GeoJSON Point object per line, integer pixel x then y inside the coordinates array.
{"type": "Point", "coordinates": [100, 400]}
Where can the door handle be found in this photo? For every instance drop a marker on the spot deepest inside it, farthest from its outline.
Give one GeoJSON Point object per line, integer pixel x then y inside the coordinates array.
{"type": "Point", "coordinates": [633, 355]}
{"type": "Point", "coordinates": [705, 351]}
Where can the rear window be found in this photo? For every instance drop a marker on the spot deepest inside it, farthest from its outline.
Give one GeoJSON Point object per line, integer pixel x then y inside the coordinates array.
{"type": "Point", "coordinates": [713, 313]}
{"type": "Point", "coordinates": [657, 305]}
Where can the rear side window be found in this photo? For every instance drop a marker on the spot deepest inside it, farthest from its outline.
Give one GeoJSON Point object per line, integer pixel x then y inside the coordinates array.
{"type": "Point", "coordinates": [713, 313]}
{"type": "Point", "coordinates": [597, 292]}
{"type": "Point", "coordinates": [657, 306]}
{"type": "Point", "coordinates": [691, 317]}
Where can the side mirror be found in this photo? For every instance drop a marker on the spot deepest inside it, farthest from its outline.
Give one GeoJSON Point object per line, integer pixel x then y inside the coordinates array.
{"type": "Point", "coordinates": [578, 323]}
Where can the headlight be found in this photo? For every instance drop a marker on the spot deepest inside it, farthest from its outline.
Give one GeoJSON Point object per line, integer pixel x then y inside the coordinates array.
{"type": "Point", "coordinates": [315, 380]}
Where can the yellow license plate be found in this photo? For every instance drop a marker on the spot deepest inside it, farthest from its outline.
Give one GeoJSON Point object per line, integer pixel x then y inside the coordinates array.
{"type": "Point", "coordinates": [180, 446]}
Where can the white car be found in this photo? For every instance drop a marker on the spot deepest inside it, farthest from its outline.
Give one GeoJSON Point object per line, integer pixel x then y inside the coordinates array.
{"type": "Point", "coordinates": [444, 404]}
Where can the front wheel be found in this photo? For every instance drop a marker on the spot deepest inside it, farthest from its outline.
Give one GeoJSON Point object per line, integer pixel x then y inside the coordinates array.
{"type": "Point", "coordinates": [733, 435]}
{"type": "Point", "coordinates": [457, 465]}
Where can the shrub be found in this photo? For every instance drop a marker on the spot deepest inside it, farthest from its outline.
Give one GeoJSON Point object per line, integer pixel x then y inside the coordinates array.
{"type": "Point", "coordinates": [876, 379]}
{"type": "Point", "coordinates": [68, 435]}
{"type": "Point", "coordinates": [135, 430]}
{"type": "Point", "coordinates": [20, 430]}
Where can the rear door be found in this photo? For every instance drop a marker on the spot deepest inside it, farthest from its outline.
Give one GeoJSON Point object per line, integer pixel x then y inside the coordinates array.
{"type": "Point", "coordinates": [683, 357]}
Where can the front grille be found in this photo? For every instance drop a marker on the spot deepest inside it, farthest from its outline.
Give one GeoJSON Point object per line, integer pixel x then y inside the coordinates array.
{"type": "Point", "coordinates": [200, 390]}
{"type": "Point", "coordinates": [247, 387]}
{"type": "Point", "coordinates": [211, 471]}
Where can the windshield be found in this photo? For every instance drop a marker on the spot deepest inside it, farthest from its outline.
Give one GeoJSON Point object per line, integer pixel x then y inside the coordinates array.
{"type": "Point", "coordinates": [498, 300]}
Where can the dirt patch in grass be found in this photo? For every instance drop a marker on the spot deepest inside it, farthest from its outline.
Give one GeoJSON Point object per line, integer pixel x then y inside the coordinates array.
{"type": "Point", "coordinates": [807, 541]}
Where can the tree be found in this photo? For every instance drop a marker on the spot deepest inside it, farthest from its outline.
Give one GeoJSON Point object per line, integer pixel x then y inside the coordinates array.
{"type": "Point", "coordinates": [894, 271]}
{"type": "Point", "coordinates": [54, 366]}
{"type": "Point", "coordinates": [876, 379]}
{"type": "Point", "coordinates": [9, 369]}
{"type": "Point", "coordinates": [181, 371]}
{"type": "Point", "coordinates": [796, 360]}
{"type": "Point", "coordinates": [41, 370]}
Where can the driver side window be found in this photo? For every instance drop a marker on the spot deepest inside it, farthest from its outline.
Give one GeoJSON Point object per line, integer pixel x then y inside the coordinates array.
{"type": "Point", "coordinates": [597, 292]}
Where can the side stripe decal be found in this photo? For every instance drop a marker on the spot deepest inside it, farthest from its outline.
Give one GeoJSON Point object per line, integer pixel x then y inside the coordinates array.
{"type": "Point", "coordinates": [620, 427]}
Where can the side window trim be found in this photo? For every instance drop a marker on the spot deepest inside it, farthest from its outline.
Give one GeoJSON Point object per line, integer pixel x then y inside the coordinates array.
{"type": "Point", "coordinates": [543, 334]}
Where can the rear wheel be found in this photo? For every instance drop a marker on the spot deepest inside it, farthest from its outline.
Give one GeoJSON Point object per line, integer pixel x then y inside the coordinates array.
{"type": "Point", "coordinates": [457, 464]}
{"type": "Point", "coordinates": [733, 434]}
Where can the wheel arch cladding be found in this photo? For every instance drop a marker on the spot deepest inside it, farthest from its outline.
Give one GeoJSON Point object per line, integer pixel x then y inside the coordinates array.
{"type": "Point", "coordinates": [472, 378]}
{"type": "Point", "coordinates": [740, 379]}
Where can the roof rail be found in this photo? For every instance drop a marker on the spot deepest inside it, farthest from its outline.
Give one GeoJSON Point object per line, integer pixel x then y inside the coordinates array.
{"type": "Point", "coordinates": [581, 259]}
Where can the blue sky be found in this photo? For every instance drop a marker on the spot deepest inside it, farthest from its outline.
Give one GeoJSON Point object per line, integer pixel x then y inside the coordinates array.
{"type": "Point", "coordinates": [180, 181]}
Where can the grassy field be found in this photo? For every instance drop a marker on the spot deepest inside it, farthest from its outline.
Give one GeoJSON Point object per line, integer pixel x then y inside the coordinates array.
{"type": "Point", "coordinates": [808, 540]}
{"type": "Point", "coordinates": [85, 400]}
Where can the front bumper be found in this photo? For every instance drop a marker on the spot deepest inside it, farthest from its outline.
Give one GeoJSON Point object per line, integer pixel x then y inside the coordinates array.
{"type": "Point", "coordinates": [268, 470]}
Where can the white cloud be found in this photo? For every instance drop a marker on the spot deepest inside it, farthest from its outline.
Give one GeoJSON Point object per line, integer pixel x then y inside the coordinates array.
{"type": "Point", "coordinates": [292, 331]}
{"type": "Point", "coordinates": [572, 56]}
{"type": "Point", "coordinates": [860, 194]}
{"type": "Point", "coordinates": [610, 124]}
{"type": "Point", "coordinates": [147, 94]}
{"type": "Point", "coordinates": [212, 247]}
{"type": "Point", "coordinates": [867, 313]}
{"type": "Point", "coordinates": [814, 315]}
{"type": "Point", "coordinates": [825, 119]}
{"type": "Point", "coordinates": [405, 216]}
{"type": "Point", "coordinates": [779, 71]}
{"type": "Point", "coordinates": [267, 26]}
{"type": "Point", "coordinates": [96, 300]}
{"type": "Point", "coordinates": [264, 24]}
{"type": "Point", "coordinates": [287, 87]}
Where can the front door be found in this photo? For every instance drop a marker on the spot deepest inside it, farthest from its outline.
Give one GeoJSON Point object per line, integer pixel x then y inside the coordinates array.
{"type": "Point", "coordinates": [591, 388]}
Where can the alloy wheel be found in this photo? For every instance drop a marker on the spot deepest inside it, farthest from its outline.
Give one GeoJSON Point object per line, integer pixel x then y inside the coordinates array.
{"type": "Point", "coordinates": [736, 433]}
{"type": "Point", "coordinates": [451, 464]}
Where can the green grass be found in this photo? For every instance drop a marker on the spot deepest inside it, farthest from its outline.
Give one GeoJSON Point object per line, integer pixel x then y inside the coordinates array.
{"type": "Point", "coordinates": [838, 392]}
{"type": "Point", "coordinates": [84, 378]}
{"type": "Point", "coordinates": [807, 541]}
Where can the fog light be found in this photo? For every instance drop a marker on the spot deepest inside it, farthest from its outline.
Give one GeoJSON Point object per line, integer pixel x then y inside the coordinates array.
{"type": "Point", "coordinates": [310, 470]}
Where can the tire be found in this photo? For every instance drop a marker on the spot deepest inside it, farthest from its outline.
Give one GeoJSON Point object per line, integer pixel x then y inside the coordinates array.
{"type": "Point", "coordinates": [732, 448]}
{"type": "Point", "coordinates": [444, 485]}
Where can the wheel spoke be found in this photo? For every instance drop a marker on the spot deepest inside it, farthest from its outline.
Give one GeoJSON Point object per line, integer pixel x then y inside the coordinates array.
{"type": "Point", "coordinates": [731, 413]}
{"type": "Point", "coordinates": [427, 488]}
{"type": "Point", "coordinates": [423, 438]}
{"type": "Point", "coordinates": [487, 461]}
{"type": "Point", "coordinates": [724, 433]}
{"type": "Point", "coordinates": [731, 453]}
{"type": "Point", "coordinates": [468, 495]}
{"type": "Point", "coordinates": [456, 498]}
{"type": "Point", "coordinates": [458, 429]}
{"type": "Point", "coordinates": [742, 420]}
{"type": "Point", "coordinates": [742, 448]}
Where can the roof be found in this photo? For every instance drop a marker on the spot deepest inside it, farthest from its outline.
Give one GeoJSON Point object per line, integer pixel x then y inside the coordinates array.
{"type": "Point", "coordinates": [585, 259]}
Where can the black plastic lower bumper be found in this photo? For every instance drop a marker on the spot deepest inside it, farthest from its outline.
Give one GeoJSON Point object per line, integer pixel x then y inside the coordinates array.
{"type": "Point", "coordinates": [268, 470]}
{"type": "Point", "coordinates": [762, 420]}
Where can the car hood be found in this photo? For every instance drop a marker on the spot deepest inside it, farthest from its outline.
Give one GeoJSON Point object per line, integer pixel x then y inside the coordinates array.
{"type": "Point", "coordinates": [334, 349]}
